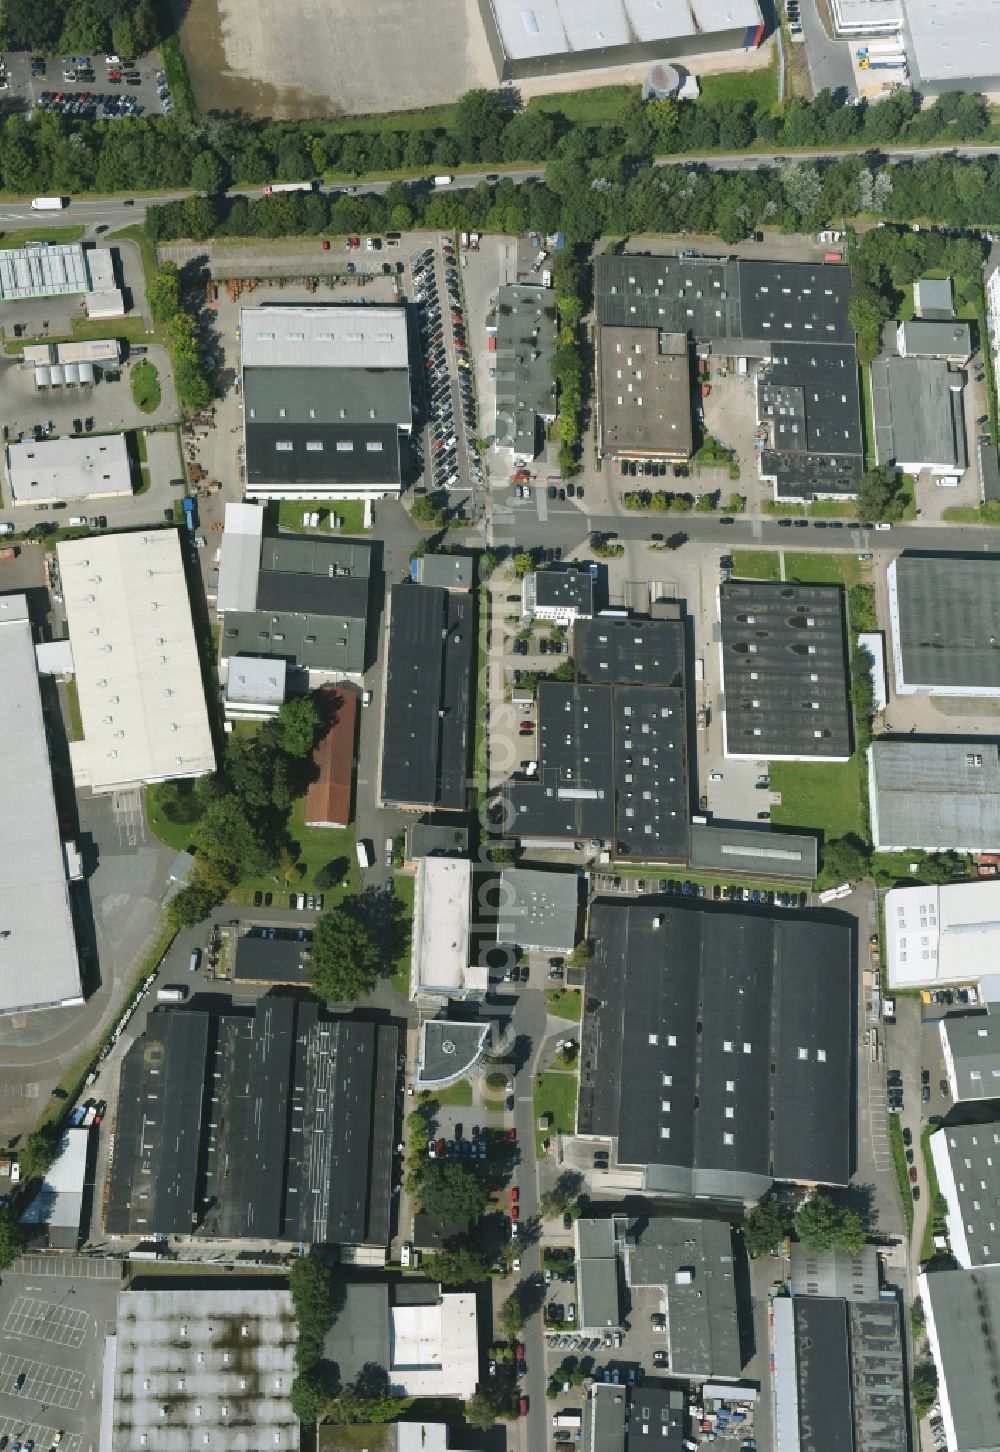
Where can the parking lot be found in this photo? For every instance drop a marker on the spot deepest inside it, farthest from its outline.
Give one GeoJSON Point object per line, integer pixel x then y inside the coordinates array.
{"type": "Point", "coordinates": [450, 459]}
{"type": "Point", "coordinates": [95, 91]}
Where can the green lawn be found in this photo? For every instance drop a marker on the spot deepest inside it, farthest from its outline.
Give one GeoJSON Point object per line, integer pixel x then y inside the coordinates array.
{"type": "Point", "coordinates": [824, 569]}
{"type": "Point", "coordinates": [759, 85]}
{"type": "Point", "coordinates": [316, 847]}
{"type": "Point", "coordinates": [458, 1096]}
{"type": "Point", "coordinates": [54, 235]}
{"type": "Point", "coordinates": [587, 108]}
{"type": "Point", "coordinates": [85, 330]}
{"type": "Point", "coordinates": [867, 416]}
{"type": "Point", "coordinates": [564, 1003]}
{"type": "Point", "coordinates": [934, 1224]}
{"type": "Point", "coordinates": [555, 1094]}
{"type": "Point", "coordinates": [832, 509]}
{"type": "Point", "coordinates": [350, 511]}
{"type": "Point", "coordinates": [824, 795]}
{"type": "Point", "coordinates": [403, 887]}
{"type": "Point", "coordinates": [177, 836]}
{"type": "Point", "coordinates": [74, 726]}
{"type": "Point", "coordinates": [145, 387]}
{"type": "Point", "coordinates": [755, 564]}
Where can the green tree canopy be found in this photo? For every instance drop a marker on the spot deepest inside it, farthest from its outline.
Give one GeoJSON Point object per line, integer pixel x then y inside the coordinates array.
{"type": "Point", "coordinates": [308, 1396]}
{"type": "Point", "coordinates": [452, 1191]}
{"type": "Point", "coordinates": [311, 1286]}
{"type": "Point", "coordinates": [458, 1266]}
{"type": "Point", "coordinates": [11, 1238]}
{"type": "Point", "coordinates": [764, 1229]}
{"type": "Point", "coordinates": [486, 1405]}
{"type": "Point", "coordinates": [511, 1317]}
{"type": "Point", "coordinates": [298, 720]}
{"type": "Point", "coordinates": [38, 1152]}
{"type": "Point", "coordinates": [345, 960]}
{"type": "Point", "coordinates": [822, 1224]}
{"type": "Point", "coordinates": [878, 493]}
{"type": "Point", "coordinates": [846, 858]}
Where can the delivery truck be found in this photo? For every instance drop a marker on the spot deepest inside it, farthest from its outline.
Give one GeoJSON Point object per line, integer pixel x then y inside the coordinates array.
{"type": "Point", "coordinates": [49, 204]}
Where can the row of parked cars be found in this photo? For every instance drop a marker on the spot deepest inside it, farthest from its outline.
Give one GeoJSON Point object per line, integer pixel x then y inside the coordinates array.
{"type": "Point", "coordinates": [90, 104]}
{"type": "Point", "coordinates": [723, 893]}
{"type": "Point", "coordinates": [459, 1147]}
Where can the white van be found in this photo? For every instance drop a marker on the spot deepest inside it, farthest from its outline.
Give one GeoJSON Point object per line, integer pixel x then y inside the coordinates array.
{"type": "Point", "coordinates": [194, 960]}
{"type": "Point", "coordinates": [75, 521]}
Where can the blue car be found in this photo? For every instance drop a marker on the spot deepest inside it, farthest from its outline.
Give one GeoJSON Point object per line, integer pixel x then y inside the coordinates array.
{"type": "Point", "coordinates": [755, 896]}
{"type": "Point", "coordinates": [686, 889]}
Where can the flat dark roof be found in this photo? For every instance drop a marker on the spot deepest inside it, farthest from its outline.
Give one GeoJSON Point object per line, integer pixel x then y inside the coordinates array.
{"type": "Point", "coordinates": [784, 668]}
{"type": "Point", "coordinates": [425, 746]}
{"type": "Point", "coordinates": [823, 1374]}
{"type": "Point", "coordinates": [719, 1049]}
{"type": "Point", "coordinates": [153, 1179]}
{"type": "Point", "coordinates": [281, 959]}
{"type": "Point", "coordinates": [612, 746]}
{"type": "Point", "coordinates": [946, 619]}
{"type": "Point", "coordinates": [322, 453]}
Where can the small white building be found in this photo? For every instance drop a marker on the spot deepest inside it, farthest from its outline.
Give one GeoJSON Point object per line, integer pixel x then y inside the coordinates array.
{"type": "Point", "coordinates": [439, 957]}
{"type": "Point", "coordinates": [873, 643]}
{"type": "Point", "coordinates": [46, 470]}
{"type": "Point", "coordinates": [936, 935]}
{"type": "Point", "coordinates": [59, 1203]}
{"type": "Point", "coordinates": [434, 1347]}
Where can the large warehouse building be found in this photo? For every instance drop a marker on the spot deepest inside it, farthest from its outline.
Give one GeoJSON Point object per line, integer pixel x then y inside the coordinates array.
{"type": "Point", "coordinates": [934, 796]}
{"type": "Point", "coordinates": [962, 1313]}
{"type": "Point", "coordinates": [136, 662]}
{"type": "Point", "coordinates": [558, 37]}
{"type": "Point", "coordinates": [944, 613]}
{"type": "Point", "coordinates": [326, 401]}
{"type": "Point", "coordinates": [732, 1069]}
{"type": "Point", "coordinates": [64, 269]}
{"type": "Point", "coordinates": [940, 935]}
{"type": "Point", "coordinates": [39, 965]}
{"type": "Point", "coordinates": [45, 470]}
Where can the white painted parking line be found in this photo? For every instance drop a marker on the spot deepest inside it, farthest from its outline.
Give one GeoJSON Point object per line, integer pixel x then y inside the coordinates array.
{"type": "Point", "coordinates": [47, 1321]}
{"type": "Point", "coordinates": [56, 1386]}
{"type": "Point", "coordinates": [43, 1436]}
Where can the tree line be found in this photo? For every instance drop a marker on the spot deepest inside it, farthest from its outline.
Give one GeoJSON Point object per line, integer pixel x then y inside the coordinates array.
{"type": "Point", "coordinates": [192, 376]}
{"type": "Point", "coordinates": [129, 27]}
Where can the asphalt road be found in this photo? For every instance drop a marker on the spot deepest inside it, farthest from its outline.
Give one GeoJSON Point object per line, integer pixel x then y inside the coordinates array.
{"type": "Point", "coordinates": [829, 60]}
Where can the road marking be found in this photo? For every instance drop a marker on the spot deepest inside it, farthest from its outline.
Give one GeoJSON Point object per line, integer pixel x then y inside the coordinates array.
{"type": "Point", "coordinates": [57, 1386]}
{"type": "Point", "coordinates": [47, 1321]}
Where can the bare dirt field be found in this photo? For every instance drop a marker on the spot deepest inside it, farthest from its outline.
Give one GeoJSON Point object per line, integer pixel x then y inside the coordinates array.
{"type": "Point", "coordinates": [297, 58]}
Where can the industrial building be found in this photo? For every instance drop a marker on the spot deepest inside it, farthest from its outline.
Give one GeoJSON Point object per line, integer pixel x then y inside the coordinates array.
{"type": "Point", "coordinates": [962, 1316]}
{"type": "Point", "coordinates": [788, 319]}
{"type": "Point", "coordinates": [950, 47]}
{"type": "Point", "coordinates": [527, 323]}
{"type": "Point", "coordinates": [559, 596]}
{"type": "Point", "coordinates": [935, 936]}
{"type": "Point", "coordinates": [269, 1125]}
{"type": "Point", "coordinates": [273, 956]}
{"type": "Point", "coordinates": [944, 613]}
{"type": "Point", "coordinates": [621, 1419]}
{"type": "Point", "coordinates": [303, 599]}
{"type": "Point", "coordinates": [136, 664]}
{"type": "Point", "coordinates": [753, 852]}
{"type": "Point", "coordinates": [444, 571]}
{"type": "Point", "coordinates": [426, 1338]}
{"type": "Point", "coordinates": [199, 1365]}
{"type": "Point", "coordinates": [41, 471]}
{"type": "Point", "coordinates": [440, 963]}
{"type": "Point", "coordinates": [67, 365]}
{"type": "Point", "coordinates": [918, 414]}
{"type": "Point", "coordinates": [784, 671]}
{"type": "Point", "coordinates": [427, 702]}
{"type": "Point", "coordinates": [839, 1374]}
{"type": "Point", "coordinates": [862, 19]}
{"type": "Point", "coordinates": [612, 745]}
{"type": "Point", "coordinates": [732, 1069]}
{"type": "Point", "coordinates": [970, 1045]}
{"type": "Point", "coordinates": [967, 1163]}
{"type": "Point", "coordinates": [840, 1273]}
{"type": "Point", "coordinates": [47, 269]}
{"type": "Point", "coordinates": [949, 339]}
{"type": "Point", "coordinates": [934, 796]}
{"type": "Point", "coordinates": [330, 793]}
{"type": "Point", "coordinates": [687, 1265]}
{"type": "Point", "coordinates": [539, 911]}
{"type": "Point", "coordinates": [643, 394]}
{"type": "Point", "coordinates": [54, 1214]}
{"type": "Point", "coordinates": [39, 963]}
{"type": "Point", "coordinates": [326, 401]}
{"type": "Point", "coordinates": [449, 1049]}
{"type": "Point", "coordinates": [558, 37]}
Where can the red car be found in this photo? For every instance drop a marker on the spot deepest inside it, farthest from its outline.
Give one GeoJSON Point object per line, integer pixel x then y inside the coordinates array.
{"type": "Point", "coordinates": [512, 1136]}
{"type": "Point", "coordinates": [515, 1195]}
{"type": "Point", "coordinates": [522, 1406]}
{"type": "Point", "coordinates": [515, 1213]}
{"type": "Point", "coordinates": [439, 1149]}
{"type": "Point", "coordinates": [913, 1174]}
{"type": "Point", "coordinates": [518, 1351]}
{"type": "Point", "coordinates": [526, 728]}
{"type": "Point", "coordinates": [325, 245]}
{"type": "Point", "coordinates": [355, 241]}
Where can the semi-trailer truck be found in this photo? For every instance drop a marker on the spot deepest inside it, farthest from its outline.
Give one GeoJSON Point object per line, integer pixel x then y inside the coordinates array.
{"type": "Point", "coordinates": [288, 187]}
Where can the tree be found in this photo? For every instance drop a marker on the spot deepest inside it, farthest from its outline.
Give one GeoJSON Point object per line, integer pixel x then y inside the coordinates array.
{"type": "Point", "coordinates": [308, 1397]}
{"type": "Point", "coordinates": [345, 960]}
{"type": "Point", "coordinates": [502, 854]}
{"type": "Point", "coordinates": [191, 905]}
{"type": "Point", "coordinates": [877, 493]}
{"type": "Point", "coordinates": [846, 858]}
{"type": "Point", "coordinates": [764, 1229]}
{"type": "Point", "coordinates": [923, 1387]}
{"type": "Point", "coordinates": [451, 1191]}
{"type": "Point", "coordinates": [511, 1317]}
{"type": "Point", "coordinates": [298, 720]}
{"type": "Point", "coordinates": [485, 1407]}
{"type": "Point", "coordinates": [477, 122]}
{"type": "Point", "coordinates": [458, 1266]}
{"type": "Point", "coordinates": [312, 1296]}
{"type": "Point", "coordinates": [39, 1151]}
{"type": "Point", "coordinates": [331, 873]}
{"type": "Point", "coordinates": [581, 954]}
{"type": "Point", "coordinates": [206, 173]}
{"type": "Point", "coordinates": [11, 1238]}
{"type": "Point", "coordinates": [523, 564]}
{"type": "Point", "coordinates": [561, 1195]}
{"type": "Point", "coordinates": [822, 1224]}
{"type": "Point", "coordinates": [426, 513]}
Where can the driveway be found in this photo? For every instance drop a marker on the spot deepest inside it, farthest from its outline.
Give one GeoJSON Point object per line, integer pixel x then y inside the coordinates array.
{"type": "Point", "coordinates": [829, 60]}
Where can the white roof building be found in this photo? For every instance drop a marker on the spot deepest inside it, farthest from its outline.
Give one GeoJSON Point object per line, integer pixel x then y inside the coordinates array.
{"type": "Point", "coordinates": [138, 673]}
{"type": "Point", "coordinates": [434, 1348]}
{"type": "Point", "coordinates": [255, 686]}
{"type": "Point", "coordinates": [201, 1368]}
{"type": "Point", "coordinates": [59, 1203]}
{"type": "Point", "coordinates": [71, 468]}
{"type": "Point", "coordinates": [439, 959]}
{"type": "Point", "coordinates": [873, 642]}
{"type": "Point", "coordinates": [311, 337]}
{"type": "Point", "coordinates": [239, 561]}
{"type": "Point", "coordinates": [941, 935]}
{"type": "Point", "coordinates": [39, 965]}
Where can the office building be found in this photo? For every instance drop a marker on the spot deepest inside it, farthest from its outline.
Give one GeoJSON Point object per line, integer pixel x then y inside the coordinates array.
{"type": "Point", "coordinates": [198, 1366]}
{"type": "Point", "coordinates": [716, 1051]}
{"type": "Point", "coordinates": [784, 671]}
{"type": "Point", "coordinates": [934, 796]}
{"type": "Point", "coordinates": [789, 320]}
{"type": "Point", "coordinates": [426, 1338]}
{"type": "Point", "coordinates": [967, 1163]}
{"type": "Point", "coordinates": [970, 1043]}
{"type": "Point", "coordinates": [440, 964]}
{"type": "Point", "coordinates": [937, 935]}
{"type": "Point", "coordinates": [643, 394]}
{"type": "Point", "coordinates": [559, 596]}
{"type": "Point", "coordinates": [42, 471]}
{"type": "Point", "coordinates": [539, 911]}
{"type": "Point", "coordinates": [448, 1049]}
{"type": "Point", "coordinates": [962, 1317]}
{"type": "Point", "coordinates": [137, 670]}
{"type": "Point", "coordinates": [612, 745]}
{"type": "Point", "coordinates": [557, 37]}
{"type": "Point", "coordinates": [866, 19]}
{"type": "Point", "coordinates": [302, 599]}
{"type": "Point", "coordinates": [445, 571]}
{"type": "Point", "coordinates": [527, 323]}
{"type": "Point", "coordinates": [330, 794]}
{"type": "Point", "coordinates": [428, 691]}
{"type": "Point", "coordinates": [944, 613]}
{"type": "Point", "coordinates": [327, 405]}
{"type": "Point", "coordinates": [620, 1418]}
{"type": "Point", "coordinates": [39, 963]}
{"type": "Point", "coordinates": [918, 414]}
{"type": "Point", "coordinates": [930, 337]}
{"type": "Point", "coordinates": [269, 1125]}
